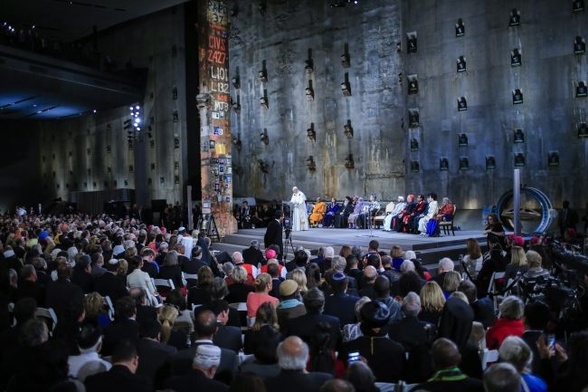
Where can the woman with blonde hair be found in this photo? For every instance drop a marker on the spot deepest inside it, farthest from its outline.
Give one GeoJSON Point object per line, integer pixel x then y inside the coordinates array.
{"type": "Point", "coordinates": [432, 302]}
{"type": "Point", "coordinates": [95, 310]}
{"type": "Point", "coordinates": [473, 259]}
{"type": "Point", "coordinates": [299, 276]}
{"type": "Point", "coordinates": [170, 336]}
{"type": "Point", "coordinates": [239, 289]}
{"type": "Point", "coordinates": [263, 286]}
{"type": "Point", "coordinates": [451, 283]}
{"type": "Point", "coordinates": [518, 263]}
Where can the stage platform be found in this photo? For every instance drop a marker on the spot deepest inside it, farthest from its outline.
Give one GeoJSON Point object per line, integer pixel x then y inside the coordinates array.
{"type": "Point", "coordinates": [429, 249]}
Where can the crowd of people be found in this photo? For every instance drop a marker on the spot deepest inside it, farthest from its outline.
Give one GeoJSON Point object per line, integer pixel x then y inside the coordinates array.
{"type": "Point", "coordinates": [327, 322]}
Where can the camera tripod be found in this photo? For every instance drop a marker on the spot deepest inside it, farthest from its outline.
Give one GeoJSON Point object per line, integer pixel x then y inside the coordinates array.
{"type": "Point", "coordinates": [288, 233]}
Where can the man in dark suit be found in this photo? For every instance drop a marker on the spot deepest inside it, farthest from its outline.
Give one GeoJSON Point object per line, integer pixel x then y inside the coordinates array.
{"type": "Point", "coordinates": [62, 293]}
{"type": "Point", "coordinates": [410, 331]}
{"type": "Point", "coordinates": [29, 287]}
{"type": "Point", "coordinates": [253, 255]}
{"type": "Point", "coordinates": [273, 233]}
{"type": "Point", "coordinates": [340, 304]}
{"type": "Point", "coordinates": [121, 377]}
{"type": "Point", "coordinates": [292, 357]}
{"type": "Point", "coordinates": [304, 326]}
{"type": "Point", "coordinates": [205, 363]}
{"type": "Point", "coordinates": [124, 326]}
{"type": "Point", "coordinates": [226, 336]}
{"type": "Point", "coordinates": [205, 327]}
{"type": "Point", "coordinates": [108, 285]}
{"type": "Point", "coordinates": [153, 353]}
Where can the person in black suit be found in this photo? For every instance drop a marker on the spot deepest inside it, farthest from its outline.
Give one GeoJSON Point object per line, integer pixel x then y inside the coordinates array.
{"type": "Point", "coordinates": [226, 336]}
{"type": "Point", "coordinates": [109, 285]}
{"type": "Point", "coordinates": [305, 325]}
{"type": "Point", "coordinates": [62, 293]}
{"type": "Point", "coordinates": [153, 353]}
{"type": "Point", "coordinates": [29, 286]}
{"type": "Point", "coordinates": [124, 326]}
{"type": "Point", "coordinates": [384, 356]}
{"type": "Point", "coordinates": [483, 308]}
{"type": "Point", "coordinates": [205, 363]}
{"type": "Point", "coordinates": [410, 331]}
{"type": "Point", "coordinates": [82, 274]}
{"type": "Point", "coordinates": [253, 255]}
{"type": "Point", "coordinates": [273, 233]}
{"type": "Point", "coordinates": [340, 304]}
{"type": "Point", "coordinates": [292, 357]}
{"type": "Point", "coordinates": [205, 327]}
{"type": "Point", "coordinates": [122, 376]}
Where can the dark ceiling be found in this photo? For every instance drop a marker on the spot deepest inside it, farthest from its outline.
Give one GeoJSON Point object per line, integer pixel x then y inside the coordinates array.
{"type": "Point", "coordinates": [34, 86]}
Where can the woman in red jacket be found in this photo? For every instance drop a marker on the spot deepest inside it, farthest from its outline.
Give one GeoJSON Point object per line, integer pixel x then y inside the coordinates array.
{"type": "Point", "coordinates": [509, 322]}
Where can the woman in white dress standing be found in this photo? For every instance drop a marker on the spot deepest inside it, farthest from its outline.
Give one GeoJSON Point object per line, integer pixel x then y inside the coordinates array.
{"type": "Point", "coordinates": [299, 215]}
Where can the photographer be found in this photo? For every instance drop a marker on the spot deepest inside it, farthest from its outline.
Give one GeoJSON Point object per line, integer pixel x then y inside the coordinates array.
{"type": "Point", "coordinates": [273, 233]}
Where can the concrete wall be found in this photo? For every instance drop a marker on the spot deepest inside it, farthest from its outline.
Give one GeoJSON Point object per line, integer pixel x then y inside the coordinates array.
{"type": "Point", "coordinates": [282, 39]}
{"type": "Point", "coordinates": [378, 107]}
{"type": "Point", "coordinates": [156, 163]}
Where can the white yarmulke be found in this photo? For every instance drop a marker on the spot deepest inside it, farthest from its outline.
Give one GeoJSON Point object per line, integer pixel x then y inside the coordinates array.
{"type": "Point", "coordinates": [207, 356]}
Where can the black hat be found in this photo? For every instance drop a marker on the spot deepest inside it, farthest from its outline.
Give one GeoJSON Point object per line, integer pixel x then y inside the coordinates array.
{"type": "Point", "coordinates": [374, 314]}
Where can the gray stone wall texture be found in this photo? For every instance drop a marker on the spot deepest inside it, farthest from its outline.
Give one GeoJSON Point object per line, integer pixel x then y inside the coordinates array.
{"type": "Point", "coordinates": [86, 147]}
{"type": "Point", "coordinates": [281, 34]}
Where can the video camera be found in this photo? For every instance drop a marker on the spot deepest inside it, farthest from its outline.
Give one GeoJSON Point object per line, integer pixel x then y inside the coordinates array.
{"type": "Point", "coordinates": [287, 224]}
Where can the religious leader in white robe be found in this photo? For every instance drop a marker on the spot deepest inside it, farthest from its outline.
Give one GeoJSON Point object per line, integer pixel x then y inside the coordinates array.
{"type": "Point", "coordinates": [299, 214]}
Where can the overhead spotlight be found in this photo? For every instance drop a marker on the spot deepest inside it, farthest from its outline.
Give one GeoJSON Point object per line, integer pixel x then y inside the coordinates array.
{"type": "Point", "coordinates": [349, 162]}
{"type": "Point", "coordinates": [519, 159]}
{"type": "Point", "coordinates": [553, 159]}
{"type": "Point", "coordinates": [263, 166]}
{"type": "Point", "coordinates": [308, 66]}
{"type": "Point", "coordinates": [264, 137]}
{"type": "Point", "coordinates": [461, 64]}
{"type": "Point", "coordinates": [413, 84]}
{"type": "Point", "coordinates": [582, 129]}
{"type": "Point", "coordinates": [415, 166]}
{"type": "Point", "coordinates": [515, 17]}
{"type": "Point", "coordinates": [459, 28]}
{"type": "Point", "coordinates": [236, 105]}
{"type": "Point", "coordinates": [262, 75]}
{"type": "Point", "coordinates": [237, 143]}
{"type": "Point", "coordinates": [309, 92]}
{"type": "Point", "coordinates": [263, 102]}
{"type": "Point", "coordinates": [414, 144]}
{"type": "Point", "coordinates": [411, 42]}
{"type": "Point", "coordinates": [581, 90]}
{"type": "Point", "coordinates": [311, 133]}
{"type": "Point", "coordinates": [464, 163]}
{"type": "Point", "coordinates": [236, 82]}
{"type": "Point", "coordinates": [443, 164]}
{"type": "Point", "coordinates": [348, 130]}
{"type": "Point", "coordinates": [311, 164]}
{"type": "Point", "coordinates": [462, 104]}
{"type": "Point", "coordinates": [519, 136]}
{"type": "Point", "coordinates": [516, 58]}
{"type": "Point", "coordinates": [462, 140]}
{"type": "Point", "coordinates": [517, 96]}
{"type": "Point", "coordinates": [413, 118]}
{"type": "Point", "coordinates": [490, 162]}
{"type": "Point", "coordinates": [579, 45]}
